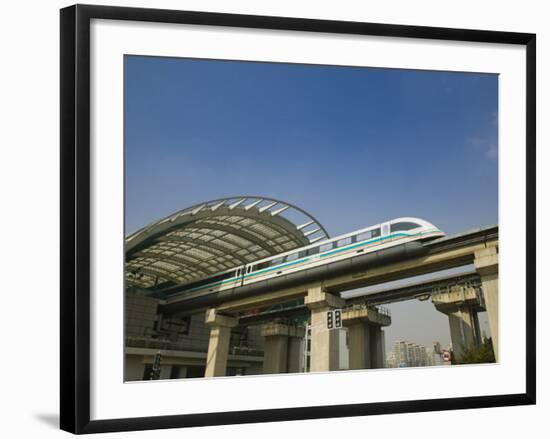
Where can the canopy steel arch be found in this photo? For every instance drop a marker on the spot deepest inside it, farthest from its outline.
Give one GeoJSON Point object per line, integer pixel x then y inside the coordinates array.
{"type": "Point", "coordinates": [215, 236]}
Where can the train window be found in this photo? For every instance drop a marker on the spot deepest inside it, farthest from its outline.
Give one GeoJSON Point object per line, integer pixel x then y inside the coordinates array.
{"type": "Point", "coordinates": [292, 257]}
{"type": "Point", "coordinates": [375, 233]}
{"type": "Point", "coordinates": [364, 236]}
{"type": "Point", "coordinates": [344, 241]}
{"type": "Point", "coordinates": [312, 251]}
{"type": "Point", "coordinates": [261, 266]}
{"type": "Point", "coordinates": [396, 227]}
{"type": "Point", "coordinates": [325, 247]}
{"type": "Point", "coordinates": [277, 261]}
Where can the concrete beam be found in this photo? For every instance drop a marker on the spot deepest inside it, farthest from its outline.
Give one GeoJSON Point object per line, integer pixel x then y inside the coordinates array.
{"type": "Point", "coordinates": [461, 305]}
{"type": "Point", "coordinates": [442, 259]}
{"type": "Point", "coordinates": [371, 315]}
{"type": "Point", "coordinates": [266, 299]}
{"type": "Point", "coordinates": [214, 318]}
{"type": "Point", "coordinates": [218, 346]}
{"type": "Point", "coordinates": [318, 298]}
{"type": "Point", "coordinates": [457, 295]}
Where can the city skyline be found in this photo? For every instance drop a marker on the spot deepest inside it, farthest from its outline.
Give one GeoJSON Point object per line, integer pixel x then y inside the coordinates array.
{"type": "Point", "coordinates": [406, 353]}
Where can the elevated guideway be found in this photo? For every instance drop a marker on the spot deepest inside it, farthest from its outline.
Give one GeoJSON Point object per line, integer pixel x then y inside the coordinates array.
{"type": "Point", "coordinates": [364, 270]}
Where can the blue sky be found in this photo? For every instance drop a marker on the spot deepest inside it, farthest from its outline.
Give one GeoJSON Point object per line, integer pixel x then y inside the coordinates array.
{"type": "Point", "coordinates": [353, 146]}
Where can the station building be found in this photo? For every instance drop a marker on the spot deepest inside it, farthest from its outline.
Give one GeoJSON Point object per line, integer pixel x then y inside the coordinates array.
{"type": "Point", "coordinates": [195, 243]}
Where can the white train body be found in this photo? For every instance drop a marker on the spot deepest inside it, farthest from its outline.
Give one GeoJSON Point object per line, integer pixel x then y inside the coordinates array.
{"type": "Point", "coordinates": [391, 233]}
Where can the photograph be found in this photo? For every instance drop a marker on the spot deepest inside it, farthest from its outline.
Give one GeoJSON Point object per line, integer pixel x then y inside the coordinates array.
{"type": "Point", "coordinates": [287, 218]}
{"type": "Point", "coordinates": [275, 219]}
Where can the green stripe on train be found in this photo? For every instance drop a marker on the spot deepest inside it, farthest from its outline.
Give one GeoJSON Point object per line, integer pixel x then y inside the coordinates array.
{"type": "Point", "coordinates": [299, 261]}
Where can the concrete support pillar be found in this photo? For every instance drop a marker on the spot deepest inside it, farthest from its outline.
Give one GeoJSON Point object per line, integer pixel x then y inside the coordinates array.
{"type": "Point", "coordinates": [461, 304]}
{"type": "Point", "coordinates": [295, 352]}
{"type": "Point", "coordinates": [324, 342]}
{"type": "Point", "coordinates": [359, 343]}
{"type": "Point", "coordinates": [218, 347]}
{"type": "Point", "coordinates": [474, 318]}
{"type": "Point", "coordinates": [165, 371]}
{"type": "Point", "coordinates": [463, 329]}
{"type": "Point", "coordinates": [486, 263]}
{"type": "Point", "coordinates": [276, 354]}
{"type": "Point", "coordinates": [282, 347]}
{"type": "Point", "coordinates": [365, 336]}
{"type": "Point", "coordinates": [377, 349]}
{"type": "Point", "coordinates": [383, 343]}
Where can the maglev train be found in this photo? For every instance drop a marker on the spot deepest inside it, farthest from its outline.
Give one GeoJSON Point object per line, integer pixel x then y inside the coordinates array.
{"type": "Point", "coordinates": [374, 238]}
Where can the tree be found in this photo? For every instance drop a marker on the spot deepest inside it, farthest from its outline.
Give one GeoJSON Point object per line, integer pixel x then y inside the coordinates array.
{"type": "Point", "coordinates": [478, 354]}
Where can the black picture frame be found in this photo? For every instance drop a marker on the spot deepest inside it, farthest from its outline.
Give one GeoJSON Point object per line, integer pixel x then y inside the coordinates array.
{"type": "Point", "coordinates": [75, 217]}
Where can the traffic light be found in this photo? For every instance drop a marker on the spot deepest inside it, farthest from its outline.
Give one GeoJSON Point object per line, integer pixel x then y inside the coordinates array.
{"type": "Point", "coordinates": [334, 319]}
{"type": "Point", "coordinates": [330, 320]}
{"type": "Point", "coordinates": [337, 318]}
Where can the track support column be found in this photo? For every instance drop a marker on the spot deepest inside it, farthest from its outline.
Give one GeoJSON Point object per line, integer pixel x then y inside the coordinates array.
{"type": "Point", "coordinates": [218, 347]}
{"type": "Point", "coordinates": [486, 263]}
{"type": "Point", "coordinates": [365, 335]}
{"type": "Point", "coordinates": [461, 304]}
{"type": "Point", "coordinates": [325, 346]}
{"type": "Point", "coordinates": [377, 347]}
{"type": "Point", "coordinates": [282, 348]}
{"type": "Point", "coordinates": [463, 322]}
{"type": "Point", "coordinates": [296, 349]}
{"type": "Point", "coordinates": [359, 345]}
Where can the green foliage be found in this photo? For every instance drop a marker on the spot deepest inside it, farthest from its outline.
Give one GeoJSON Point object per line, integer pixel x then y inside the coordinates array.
{"type": "Point", "coordinates": [478, 354]}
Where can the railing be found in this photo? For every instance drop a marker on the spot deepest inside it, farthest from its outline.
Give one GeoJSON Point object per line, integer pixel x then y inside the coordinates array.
{"type": "Point", "coordinates": [170, 345]}
{"type": "Point", "coordinates": [159, 343]}
{"type": "Point", "coordinates": [447, 286]}
{"type": "Point", "coordinates": [361, 306]}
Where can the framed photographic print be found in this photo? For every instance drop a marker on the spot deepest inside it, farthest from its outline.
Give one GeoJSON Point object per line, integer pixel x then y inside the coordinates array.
{"type": "Point", "coordinates": [284, 218]}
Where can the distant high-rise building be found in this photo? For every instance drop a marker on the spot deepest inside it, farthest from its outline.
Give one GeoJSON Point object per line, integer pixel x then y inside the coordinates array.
{"type": "Point", "coordinates": [390, 359]}
{"type": "Point", "coordinates": [400, 353]}
{"type": "Point", "coordinates": [408, 354]}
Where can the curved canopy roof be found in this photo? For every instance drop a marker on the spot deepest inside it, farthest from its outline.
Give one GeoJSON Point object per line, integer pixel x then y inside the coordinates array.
{"type": "Point", "coordinates": [215, 236]}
